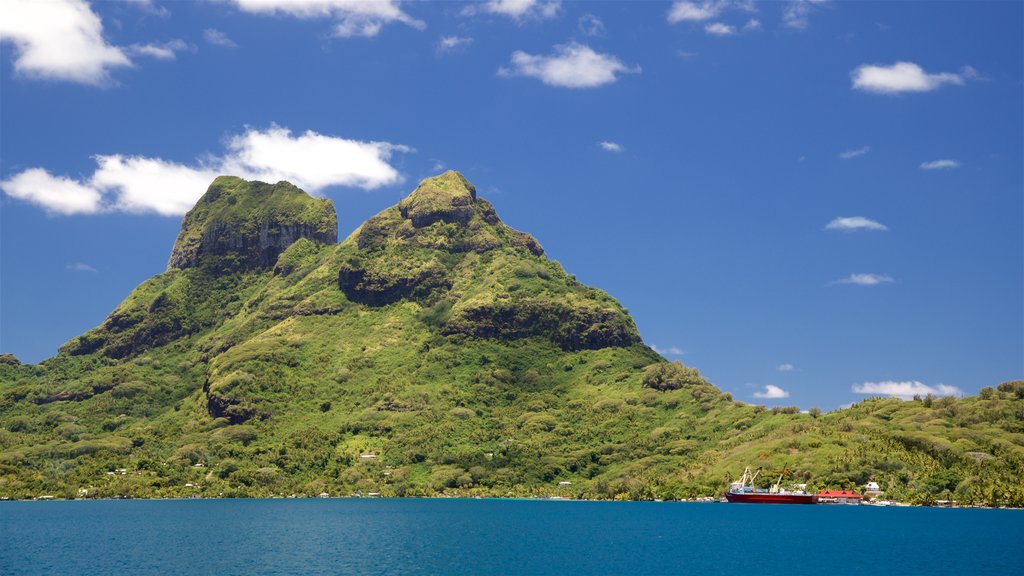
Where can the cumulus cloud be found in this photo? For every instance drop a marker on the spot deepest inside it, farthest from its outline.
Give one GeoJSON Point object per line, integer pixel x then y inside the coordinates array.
{"type": "Point", "coordinates": [771, 391]}
{"type": "Point", "coordinates": [165, 51]}
{"type": "Point", "coordinates": [906, 390]}
{"type": "Point", "coordinates": [904, 77]}
{"type": "Point", "coordinates": [797, 13]}
{"type": "Point", "coordinates": [851, 223]}
{"type": "Point", "coordinates": [452, 43]}
{"type": "Point", "coordinates": [611, 146]}
{"type": "Point", "coordinates": [59, 40]}
{"type": "Point", "coordinates": [865, 279]}
{"type": "Point", "coordinates": [572, 65]}
{"type": "Point", "coordinates": [516, 9]}
{"type": "Point", "coordinates": [138, 184]}
{"type": "Point", "coordinates": [785, 368]}
{"type": "Point", "coordinates": [590, 25]}
{"type": "Point", "coordinates": [55, 194]}
{"type": "Point", "coordinates": [847, 155]}
{"type": "Point", "coordinates": [940, 165]}
{"type": "Point", "coordinates": [80, 267]}
{"type": "Point", "coordinates": [719, 29]}
{"type": "Point", "coordinates": [311, 161]}
{"type": "Point", "coordinates": [670, 351]}
{"type": "Point", "coordinates": [351, 17]}
{"type": "Point", "coordinates": [218, 38]}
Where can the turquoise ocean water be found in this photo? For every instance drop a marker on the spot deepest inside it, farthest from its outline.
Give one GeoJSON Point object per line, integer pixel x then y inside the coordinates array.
{"type": "Point", "coordinates": [349, 536]}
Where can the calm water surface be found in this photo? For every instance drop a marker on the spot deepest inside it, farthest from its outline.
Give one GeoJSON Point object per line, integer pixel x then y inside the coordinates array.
{"type": "Point", "coordinates": [501, 537]}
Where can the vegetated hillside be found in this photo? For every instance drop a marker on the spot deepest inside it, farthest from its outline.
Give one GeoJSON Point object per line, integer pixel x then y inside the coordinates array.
{"type": "Point", "coordinates": [435, 350]}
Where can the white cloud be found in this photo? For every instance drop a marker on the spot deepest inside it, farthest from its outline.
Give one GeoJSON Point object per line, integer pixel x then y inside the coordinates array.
{"type": "Point", "coordinates": [906, 390]}
{"type": "Point", "coordinates": [56, 195]}
{"type": "Point", "coordinates": [854, 153]}
{"type": "Point", "coordinates": [670, 351]}
{"type": "Point", "coordinates": [80, 267]}
{"type": "Point", "coordinates": [610, 146]}
{"type": "Point", "coordinates": [572, 65]}
{"type": "Point", "coordinates": [218, 38]}
{"type": "Point", "coordinates": [719, 29]}
{"type": "Point", "coordinates": [452, 43]}
{"type": "Point", "coordinates": [940, 165]}
{"type": "Point", "coordinates": [142, 184]}
{"type": "Point", "coordinates": [904, 77]}
{"type": "Point", "coordinates": [138, 184]}
{"type": "Point", "coordinates": [694, 12]}
{"type": "Point", "coordinates": [165, 51]}
{"type": "Point", "coordinates": [797, 13]}
{"type": "Point", "coordinates": [352, 17]}
{"type": "Point", "coordinates": [752, 24]}
{"type": "Point", "coordinates": [311, 161]}
{"type": "Point", "coordinates": [516, 9]}
{"type": "Point", "coordinates": [850, 223]}
{"type": "Point", "coordinates": [59, 40]}
{"type": "Point", "coordinates": [865, 279]}
{"type": "Point", "coordinates": [590, 25]}
{"type": "Point", "coordinates": [786, 368]}
{"type": "Point", "coordinates": [771, 391]}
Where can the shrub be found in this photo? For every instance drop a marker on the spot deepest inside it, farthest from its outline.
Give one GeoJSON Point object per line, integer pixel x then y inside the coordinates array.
{"type": "Point", "coordinates": [670, 376]}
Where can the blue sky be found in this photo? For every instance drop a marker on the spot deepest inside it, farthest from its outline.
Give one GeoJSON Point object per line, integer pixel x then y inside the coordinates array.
{"type": "Point", "coordinates": [809, 201]}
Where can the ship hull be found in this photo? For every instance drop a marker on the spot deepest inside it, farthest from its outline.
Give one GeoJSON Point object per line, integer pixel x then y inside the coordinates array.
{"type": "Point", "coordinates": [765, 498]}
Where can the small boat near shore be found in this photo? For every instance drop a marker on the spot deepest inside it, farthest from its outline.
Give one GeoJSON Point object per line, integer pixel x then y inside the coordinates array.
{"type": "Point", "coordinates": [744, 491]}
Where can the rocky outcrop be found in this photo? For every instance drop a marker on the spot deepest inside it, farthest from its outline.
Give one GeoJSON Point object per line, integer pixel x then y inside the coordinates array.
{"type": "Point", "coordinates": [246, 225]}
{"type": "Point", "coordinates": [443, 213]}
{"type": "Point", "coordinates": [572, 324]}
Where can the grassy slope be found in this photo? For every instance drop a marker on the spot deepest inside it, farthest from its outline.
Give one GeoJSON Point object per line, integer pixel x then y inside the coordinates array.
{"type": "Point", "coordinates": [305, 381]}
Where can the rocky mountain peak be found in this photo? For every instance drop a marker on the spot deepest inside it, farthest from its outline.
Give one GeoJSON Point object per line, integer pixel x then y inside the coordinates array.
{"type": "Point", "coordinates": [443, 213]}
{"type": "Point", "coordinates": [240, 224]}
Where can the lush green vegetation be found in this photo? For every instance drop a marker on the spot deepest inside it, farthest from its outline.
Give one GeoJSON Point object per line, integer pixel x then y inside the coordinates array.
{"type": "Point", "coordinates": [438, 351]}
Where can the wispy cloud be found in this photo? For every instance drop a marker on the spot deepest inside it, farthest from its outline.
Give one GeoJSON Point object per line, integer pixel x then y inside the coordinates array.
{"type": "Point", "coordinates": [904, 77]}
{"type": "Point", "coordinates": [139, 184]}
{"type": "Point", "coordinates": [694, 11]}
{"type": "Point", "coordinates": [218, 38]}
{"type": "Point", "coordinates": [940, 165]}
{"type": "Point", "coordinates": [771, 391]}
{"type": "Point", "coordinates": [670, 351]}
{"type": "Point", "coordinates": [906, 390]}
{"type": "Point", "coordinates": [848, 154]}
{"type": "Point", "coordinates": [590, 25]}
{"type": "Point", "coordinates": [164, 51]}
{"type": "Point", "coordinates": [452, 43]}
{"type": "Point", "coordinates": [797, 14]}
{"type": "Point", "coordinates": [80, 267]}
{"type": "Point", "coordinates": [516, 9]}
{"type": "Point", "coordinates": [611, 146]}
{"type": "Point", "coordinates": [786, 368]}
{"type": "Point", "coordinates": [865, 279]}
{"type": "Point", "coordinates": [719, 29]}
{"type": "Point", "coordinates": [572, 65]}
{"type": "Point", "coordinates": [851, 223]}
{"type": "Point", "coordinates": [351, 17]}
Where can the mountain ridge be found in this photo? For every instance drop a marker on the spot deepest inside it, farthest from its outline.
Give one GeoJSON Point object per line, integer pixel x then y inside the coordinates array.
{"type": "Point", "coordinates": [435, 350]}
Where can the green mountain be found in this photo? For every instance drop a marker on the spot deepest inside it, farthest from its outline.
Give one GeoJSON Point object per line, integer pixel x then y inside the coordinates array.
{"type": "Point", "coordinates": [434, 351]}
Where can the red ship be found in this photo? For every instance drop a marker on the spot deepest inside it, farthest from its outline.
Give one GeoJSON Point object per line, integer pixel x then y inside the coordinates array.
{"type": "Point", "coordinates": [743, 490]}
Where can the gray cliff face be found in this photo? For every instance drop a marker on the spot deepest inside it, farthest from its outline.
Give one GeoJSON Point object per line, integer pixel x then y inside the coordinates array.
{"type": "Point", "coordinates": [259, 250]}
{"type": "Point", "coordinates": [246, 225]}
